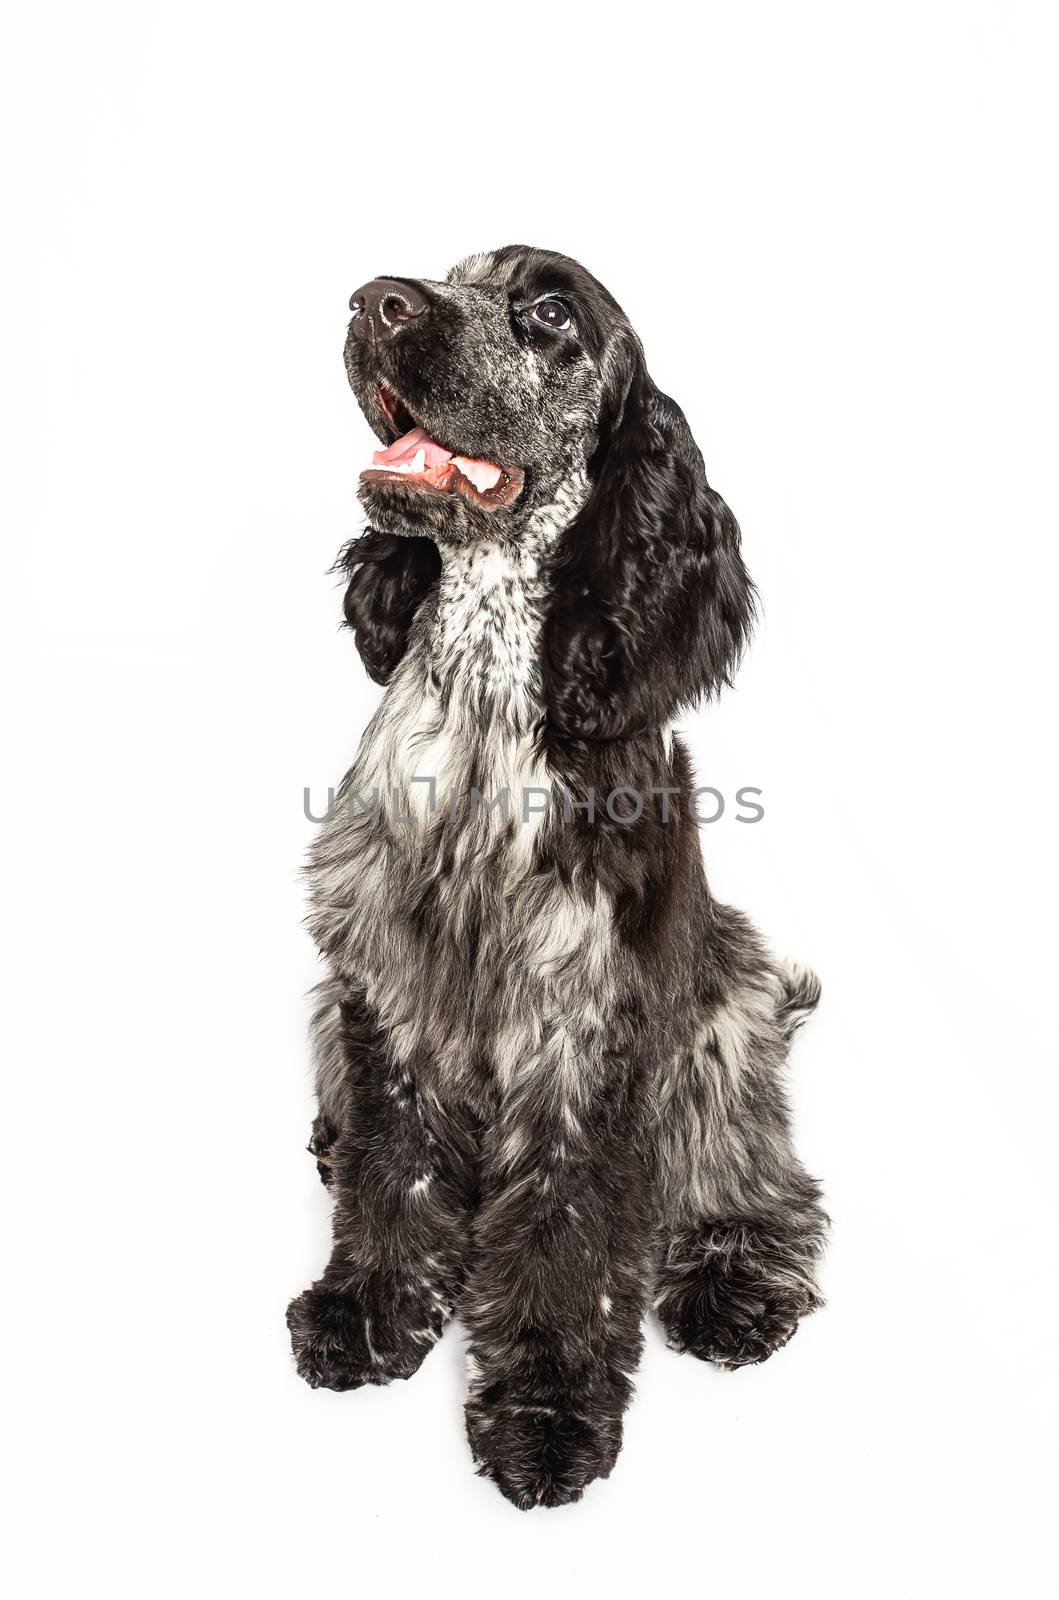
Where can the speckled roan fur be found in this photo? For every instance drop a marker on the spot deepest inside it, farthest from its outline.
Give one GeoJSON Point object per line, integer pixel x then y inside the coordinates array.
{"type": "Point", "coordinates": [548, 1062]}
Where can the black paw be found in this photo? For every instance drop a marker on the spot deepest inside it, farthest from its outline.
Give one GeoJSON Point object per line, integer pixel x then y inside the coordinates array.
{"type": "Point", "coordinates": [338, 1345]}
{"type": "Point", "coordinates": [541, 1454]}
{"type": "Point", "coordinates": [727, 1315]}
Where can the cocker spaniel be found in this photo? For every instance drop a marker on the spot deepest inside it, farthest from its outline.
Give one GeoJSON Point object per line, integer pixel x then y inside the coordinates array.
{"type": "Point", "coordinates": [548, 1063]}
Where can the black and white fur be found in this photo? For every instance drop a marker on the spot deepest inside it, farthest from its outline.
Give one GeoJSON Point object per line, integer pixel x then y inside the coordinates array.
{"type": "Point", "coordinates": [548, 1062]}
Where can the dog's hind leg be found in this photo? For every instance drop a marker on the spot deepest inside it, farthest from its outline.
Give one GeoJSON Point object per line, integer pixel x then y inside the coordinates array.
{"type": "Point", "coordinates": [402, 1175]}
{"type": "Point", "coordinates": [742, 1229]}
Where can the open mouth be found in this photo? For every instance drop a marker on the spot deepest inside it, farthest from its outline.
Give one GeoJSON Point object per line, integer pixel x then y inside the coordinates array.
{"type": "Point", "coordinates": [420, 462]}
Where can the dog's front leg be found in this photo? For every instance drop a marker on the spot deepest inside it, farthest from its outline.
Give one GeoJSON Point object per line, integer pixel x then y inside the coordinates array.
{"type": "Point", "coordinates": [555, 1301]}
{"type": "Point", "coordinates": [401, 1172]}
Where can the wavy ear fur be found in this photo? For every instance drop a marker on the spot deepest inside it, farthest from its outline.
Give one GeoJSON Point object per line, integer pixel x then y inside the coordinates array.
{"type": "Point", "coordinates": [651, 604]}
{"type": "Point", "coordinates": [389, 577]}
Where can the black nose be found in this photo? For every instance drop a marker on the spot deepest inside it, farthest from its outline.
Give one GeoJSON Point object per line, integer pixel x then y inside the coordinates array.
{"type": "Point", "coordinates": [383, 307]}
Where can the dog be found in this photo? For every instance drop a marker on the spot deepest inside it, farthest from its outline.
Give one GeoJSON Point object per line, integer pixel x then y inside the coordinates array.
{"type": "Point", "coordinates": [548, 1064]}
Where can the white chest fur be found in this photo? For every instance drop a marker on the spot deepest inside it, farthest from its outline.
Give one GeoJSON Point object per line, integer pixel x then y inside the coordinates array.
{"type": "Point", "coordinates": [466, 705]}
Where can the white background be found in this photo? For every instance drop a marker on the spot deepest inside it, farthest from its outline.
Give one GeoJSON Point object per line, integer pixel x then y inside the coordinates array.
{"type": "Point", "coordinates": [833, 227]}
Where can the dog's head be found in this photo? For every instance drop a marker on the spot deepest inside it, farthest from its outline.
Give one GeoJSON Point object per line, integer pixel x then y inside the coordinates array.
{"type": "Point", "coordinates": [515, 384]}
{"type": "Point", "coordinates": [486, 390]}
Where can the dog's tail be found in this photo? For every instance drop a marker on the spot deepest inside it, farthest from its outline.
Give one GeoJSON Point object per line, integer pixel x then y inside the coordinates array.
{"type": "Point", "coordinates": [799, 995]}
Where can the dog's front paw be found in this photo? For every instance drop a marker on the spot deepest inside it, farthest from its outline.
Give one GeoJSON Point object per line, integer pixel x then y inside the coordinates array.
{"type": "Point", "coordinates": [327, 1336]}
{"type": "Point", "coordinates": [732, 1318]}
{"type": "Point", "coordinates": [338, 1345]}
{"type": "Point", "coordinates": [541, 1454]}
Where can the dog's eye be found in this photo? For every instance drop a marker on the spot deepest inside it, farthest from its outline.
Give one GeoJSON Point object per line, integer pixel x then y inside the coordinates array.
{"type": "Point", "coordinates": [551, 314]}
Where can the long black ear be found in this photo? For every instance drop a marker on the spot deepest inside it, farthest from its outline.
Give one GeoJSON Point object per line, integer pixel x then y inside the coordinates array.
{"type": "Point", "coordinates": [389, 576]}
{"type": "Point", "coordinates": [651, 605]}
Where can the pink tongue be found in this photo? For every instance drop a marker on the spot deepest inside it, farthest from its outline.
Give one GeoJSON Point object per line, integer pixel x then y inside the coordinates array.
{"type": "Point", "coordinates": [404, 451]}
{"type": "Point", "coordinates": [405, 448]}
